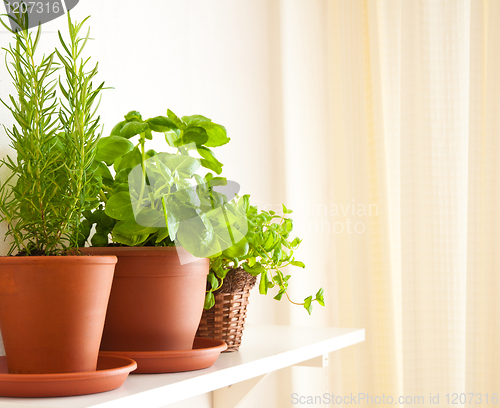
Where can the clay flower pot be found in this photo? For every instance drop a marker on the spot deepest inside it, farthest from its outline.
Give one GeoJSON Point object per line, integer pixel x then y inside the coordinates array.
{"type": "Point", "coordinates": [156, 302]}
{"type": "Point", "coordinates": [52, 311]}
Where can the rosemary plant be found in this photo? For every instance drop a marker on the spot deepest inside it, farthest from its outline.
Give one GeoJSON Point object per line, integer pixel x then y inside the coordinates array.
{"type": "Point", "coordinates": [53, 179]}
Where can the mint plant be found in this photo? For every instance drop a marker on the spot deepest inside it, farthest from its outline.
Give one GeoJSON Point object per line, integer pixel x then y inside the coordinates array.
{"type": "Point", "coordinates": [266, 249]}
{"type": "Point", "coordinates": [53, 179]}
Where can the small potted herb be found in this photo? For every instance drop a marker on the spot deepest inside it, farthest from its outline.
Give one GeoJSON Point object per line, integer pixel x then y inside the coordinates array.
{"type": "Point", "coordinates": [48, 299]}
{"type": "Point", "coordinates": [265, 251]}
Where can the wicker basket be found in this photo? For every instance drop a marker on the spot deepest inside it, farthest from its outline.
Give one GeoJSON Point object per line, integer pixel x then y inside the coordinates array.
{"type": "Point", "coordinates": [226, 320]}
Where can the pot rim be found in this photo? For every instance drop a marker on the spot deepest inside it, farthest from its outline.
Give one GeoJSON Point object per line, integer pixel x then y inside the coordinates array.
{"type": "Point", "coordinates": [157, 255]}
{"type": "Point", "coordinates": [137, 251]}
{"type": "Point", "coordinates": [93, 259]}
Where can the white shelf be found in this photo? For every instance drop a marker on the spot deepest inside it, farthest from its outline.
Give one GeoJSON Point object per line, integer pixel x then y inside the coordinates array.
{"type": "Point", "coordinates": [264, 349]}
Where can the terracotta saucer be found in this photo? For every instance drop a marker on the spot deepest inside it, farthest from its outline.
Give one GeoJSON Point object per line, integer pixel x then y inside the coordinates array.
{"type": "Point", "coordinates": [203, 355]}
{"type": "Point", "coordinates": [111, 373]}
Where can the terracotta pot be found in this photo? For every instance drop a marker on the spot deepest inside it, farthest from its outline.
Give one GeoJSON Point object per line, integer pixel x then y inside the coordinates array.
{"type": "Point", "coordinates": [52, 311]}
{"type": "Point", "coordinates": [156, 302]}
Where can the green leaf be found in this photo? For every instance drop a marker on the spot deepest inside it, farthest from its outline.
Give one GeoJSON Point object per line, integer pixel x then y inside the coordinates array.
{"type": "Point", "coordinates": [162, 234]}
{"type": "Point", "coordinates": [133, 128]}
{"type": "Point", "coordinates": [288, 225]}
{"type": "Point", "coordinates": [268, 244]}
{"type": "Point", "coordinates": [238, 250]}
{"type": "Point", "coordinates": [119, 206]}
{"type": "Point", "coordinates": [150, 217]}
{"type": "Point", "coordinates": [194, 134]}
{"type": "Point", "coordinates": [121, 187]}
{"type": "Point", "coordinates": [308, 304]}
{"type": "Point", "coordinates": [209, 161]}
{"type": "Point", "coordinates": [254, 270]}
{"type": "Point", "coordinates": [103, 171]}
{"type": "Point", "coordinates": [280, 294]}
{"type": "Point", "coordinates": [195, 119]}
{"type": "Point", "coordinates": [263, 284]}
{"type": "Point", "coordinates": [198, 238]}
{"type": "Point", "coordinates": [172, 138]}
{"type": "Point", "coordinates": [217, 135]}
{"type": "Point", "coordinates": [106, 222]}
{"type": "Point", "coordinates": [93, 217]}
{"type": "Point", "coordinates": [298, 263]}
{"type": "Point", "coordinates": [122, 176]}
{"type": "Point", "coordinates": [99, 240]}
{"type": "Point", "coordinates": [320, 298]}
{"type": "Point", "coordinates": [118, 127]}
{"type": "Point", "coordinates": [209, 300]}
{"type": "Point", "coordinates": [129, 240]}
{"type": "Point", "coordinates": [129, 160]}
{"type": "Point", "coordinates": [286, 210]}
{"type": "Point", "coordinates": [246, 202]}
{"type": "Point", "coordinates": [174, 118]}
{"type": "Point", "coordinates": [161, 124]}
{"type": "Point", "coordinates": [111, 147]}
{"type": "Point", "coordinates": [212, 279]}
{"type": "Point", "coordinates": [218, 181]}
{"type": "Point", "coordinates": [130, 227]}
{"type": "Point", "coordinates": [185, 166]}
{"type": "Point", "coordinates": [150, 153]}
{"type": "Point", "coordinates": [133, 116]}
{"type": "Point", "coordinates": [84, 232]}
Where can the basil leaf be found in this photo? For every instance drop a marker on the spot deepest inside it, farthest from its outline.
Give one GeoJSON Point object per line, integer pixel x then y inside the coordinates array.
{"type": "Point", "coordinates": [195, 119]}
{"type": "Point", "coordinates": [118, 127]}
{"type": "Point", "coordinates": [129, 160]}
{"type": "Point", "coordinates": [161, 124]}
{"type": "Point", "coordinates": [209, 161]}
{"type": "Point", "coordinates": [131, 227]}
{"type": "Point", "coordinates": [111, 147]}
{"type": "Point", "coordinates": [195, 134]}
{"type": "Point", "coordinates": [119, 206]}
{"type": "Point", "coordinates": [133, 128]}
{"type": "Point", "coordinates": [133, 116]}
{"type": "Point", "coordinates": [174, 118]}
{"type": "Point", "coordinates": [217, 135]}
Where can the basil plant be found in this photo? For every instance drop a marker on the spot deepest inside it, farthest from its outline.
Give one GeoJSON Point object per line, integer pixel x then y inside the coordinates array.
{"type": "Point", "coordinates": [158, 199]}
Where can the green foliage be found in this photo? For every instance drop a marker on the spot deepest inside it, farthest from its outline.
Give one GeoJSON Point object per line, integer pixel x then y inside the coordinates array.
{"type": "Point", "coordinates": [266, 249]}
{"type": "Point", "coordinates": [54, 178]}
{"type": "Point", "coordinates": [156, 198]}
{"type": "Point", "coordinates": [149, 212]}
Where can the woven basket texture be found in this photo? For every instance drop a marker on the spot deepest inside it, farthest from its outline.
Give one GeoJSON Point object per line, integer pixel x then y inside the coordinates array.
{"type": "Point", "coordinates": [226, 320]}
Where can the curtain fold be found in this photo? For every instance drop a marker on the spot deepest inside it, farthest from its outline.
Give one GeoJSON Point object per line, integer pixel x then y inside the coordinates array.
{"type": "Point", "coordinates": [434, 128]}
{"type": "Point", "coordinates": [483, 238]}
{"type": "Point", "coordinates": [362, 264]}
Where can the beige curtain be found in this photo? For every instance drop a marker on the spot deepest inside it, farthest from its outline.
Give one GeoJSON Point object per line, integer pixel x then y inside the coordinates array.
{"type": "Point", "coordinates": [413, 155]}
